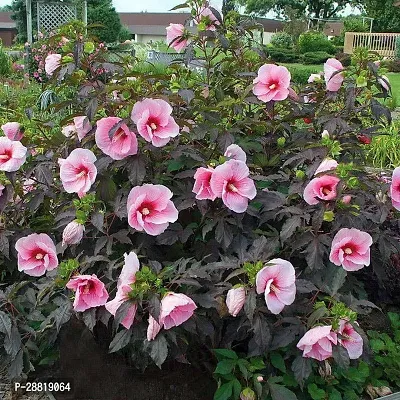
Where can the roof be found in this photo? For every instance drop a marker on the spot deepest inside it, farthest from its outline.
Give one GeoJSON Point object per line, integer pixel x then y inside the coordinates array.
{"type": "Point", "coordinates": [154, 19]}
{"type": "Point", "coordinates": [5, 21]}
{"type": "Point", "coordinates": [151, 23]}
{"type": "Point", "coordinates": [333, 28]}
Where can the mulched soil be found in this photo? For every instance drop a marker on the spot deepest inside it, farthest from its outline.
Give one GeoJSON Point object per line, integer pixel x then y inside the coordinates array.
{"type": "Point", "coordinates": [98, 375]}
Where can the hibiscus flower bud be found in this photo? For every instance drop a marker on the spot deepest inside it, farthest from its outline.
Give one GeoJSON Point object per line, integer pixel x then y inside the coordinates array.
{"type": "Point", "coordinates": [247, 394]}
{"type": "Point", "coordinates": [235, 300]}
{"type": "Point", "coordinates": [346, 199]}
{"type": "Point", "coordinates": [325, 134]}
{"type": "Point", "coordinates": [260, 378]}
{"type": "Point", "coordinates": [73, 233]}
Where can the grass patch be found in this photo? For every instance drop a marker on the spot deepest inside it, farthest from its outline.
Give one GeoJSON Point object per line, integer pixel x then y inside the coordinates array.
{"type": "Point", "coordinates": [394, 79]}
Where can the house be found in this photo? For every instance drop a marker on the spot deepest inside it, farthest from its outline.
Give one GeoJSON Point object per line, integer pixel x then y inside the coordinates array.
{"type": "Point", "coordinates": [333, 28]}
{"type": "Point", "coordinates": [8, 29]}
{"type": "Point", "coordinates": [144, 27]}
{"type": "Point", "coordinates": [150, 27]}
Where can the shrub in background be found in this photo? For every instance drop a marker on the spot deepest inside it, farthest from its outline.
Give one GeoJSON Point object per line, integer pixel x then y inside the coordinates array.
{"type": "Point", "coordinates": [282, 40]}
{"type": "Point", "coordinates": [393, 65]}
{"type": "Point", "coordinates": [315, 57]}
{"type": "Point", "coordinates": [397, 50]}
{"type": "Point", "coordinates": [301, 73]}
{"type": "Point", "coordinates": [315, 41]}
{"type": "Point", "coordinates": [283, 55]}
{"type": "Point", "coordinates": [5, 63]}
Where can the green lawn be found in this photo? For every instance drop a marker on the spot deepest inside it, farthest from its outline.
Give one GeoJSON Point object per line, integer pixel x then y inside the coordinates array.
{"type": "Point", "coordinates": [395, 83]}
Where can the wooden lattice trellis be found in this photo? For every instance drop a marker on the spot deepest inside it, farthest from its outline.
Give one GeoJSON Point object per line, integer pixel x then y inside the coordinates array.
{"type": "Point", "coordinates": [51, 15]}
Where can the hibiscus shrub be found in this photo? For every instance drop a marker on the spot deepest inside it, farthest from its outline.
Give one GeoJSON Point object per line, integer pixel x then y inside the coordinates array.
{"type": "Point", "coordinates": [197, 210]}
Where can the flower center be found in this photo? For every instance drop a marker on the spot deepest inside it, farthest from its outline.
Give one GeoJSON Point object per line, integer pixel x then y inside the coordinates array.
{"type": "Point", "coordinates": [4, 157]}
{"type": "Point", "coordinates": [39, 256]}
{"type": "Point", "coordinates": [145, 211]}
{"type": "Point", "coordinates": [88, 287]}
{"type": "Point", "coordinates": [348, 250]}
{"type": "Point", "coordinates": [232, 188]}
{"type": "Point", "coordinates": [153, 126]}
{"type": "Point", "coordinates": [81, 174]}
{"type": "Point", "coordinates": [274, 288]}
{"type": "Point", "coordinates": [120, 132]}
{"type": "Point", "coordinates": [273, 86]}
{"type": "Point", "coordinates": [326, 191]}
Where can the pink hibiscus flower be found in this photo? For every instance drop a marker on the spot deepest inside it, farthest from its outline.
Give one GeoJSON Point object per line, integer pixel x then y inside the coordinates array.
{"type": "Point", "coordinates": [12, 154]}
{"type": "Point", "coordinates": [176, 308]}
{"type": "Point", "coordinates": [123, 142]}
{"type": "Point", "coordinates": [52, 62]}
{"type": "Point", "coordinates": [321, 188]}
{"type": "Point", "coordinates": [150, 208]}
{"type": "Point", "coordinates": [207, 16]}
{"type": "Point", "coordinates": [333, 80]}
{"type": "Point", "coordinates": [202, 186]}
{"type": "Point", "coordinates": [235, 152]}
{"type": "Point", "coordinates": [326, 165]}
{"type": "Point", "coordinates": [351, 249]}
{"type": "Point", "coordinates": [89, 292]}
{"type": "Point", "coordinates": [36, 254]}
{"type": "Point", "coordinates": [350, 339]}
{"type": "Point", "coordinates": [272, 83]}
{"type": "Point", "coordinates": [152, 329]}
{"type": "Point", "coordinates": [277, 282]}
{"type": "Point", "coordinates": [125, 280]}
{"type": "Point", "coordinates": [154, 121]}
{"type": "Point", "coordinates": [317, 343]}
{"type": "Point", "coordinates": [384, 81]}
{"type": "Point", "coordinates": [235, 299]}
{"type": "Point", "coordinates": [395, 188]}
{"type": "Point", "coordinates": [82, 126]}
{"type": "Point", "coordinates": [78, 172]}
{"type": "Point", "coordinates": [12, 130]}
{"type": "Point", "coordinates": [176, 37]}
{"type": "Point", "coordinates": [231, 182]}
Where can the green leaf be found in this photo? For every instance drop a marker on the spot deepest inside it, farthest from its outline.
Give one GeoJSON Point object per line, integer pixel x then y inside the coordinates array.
{"type": "Point", "coordinates": [175, 165]}
{"type": "Point", "coordinates": [225, 367]}
{"type": "Point", "coordinates": [279, 392]}
{"type": "Point", "coordinates": [278, 362]}
{"type": "Point", "coordinates": [351, 395]}
{"type": "Point", "coordinates": [224, 392]}
{"type": "Point", "coordinates": [256, 363]}
{"type": "Point", "coordinates": [315, 392]}
{"type": "Point", "coordinates": [243, 367]}
{"type": "Point", "coordinates": [394, 319]}
{"type": "Point", "coordinates": [121, 339]}
{"type": "Point", "coordinates": [225, 353]}
{"type": "Point", "coordinates": [237, 388]}
{"type": "Point", "coordinates": [335, 395]}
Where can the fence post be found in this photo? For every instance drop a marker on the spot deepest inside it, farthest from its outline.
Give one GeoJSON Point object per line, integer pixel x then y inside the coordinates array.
{"type": "Point", "coordinates": [348, 42]}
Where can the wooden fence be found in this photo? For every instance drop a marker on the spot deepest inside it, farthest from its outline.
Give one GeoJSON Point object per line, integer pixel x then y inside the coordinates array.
{"type": "Point", "coordinates": [382, 43]}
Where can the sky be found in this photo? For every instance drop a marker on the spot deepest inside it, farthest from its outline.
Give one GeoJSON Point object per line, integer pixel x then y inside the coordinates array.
{"type": "Point", "coordinates": [156, 5]}
{"type": "Point", "coordinates": [140, 5]}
